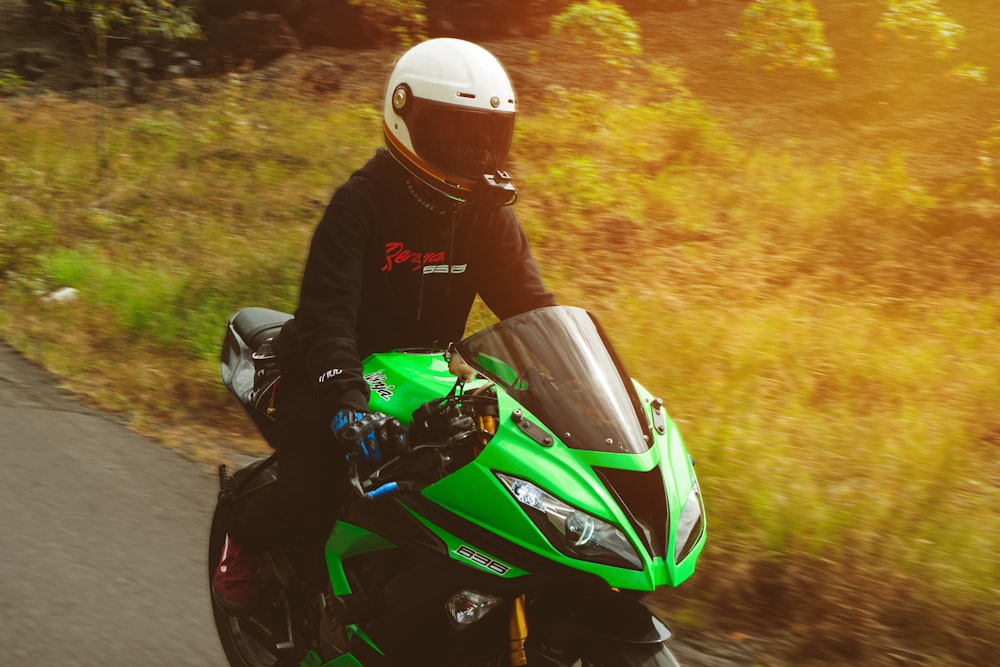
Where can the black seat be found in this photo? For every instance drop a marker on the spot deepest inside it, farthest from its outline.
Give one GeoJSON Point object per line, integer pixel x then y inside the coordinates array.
{"type": "Point", "coordinates": [256, 325]}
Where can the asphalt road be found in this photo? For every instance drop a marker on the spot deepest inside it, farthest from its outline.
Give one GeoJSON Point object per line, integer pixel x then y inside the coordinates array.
{"type": "Point", "coordinates": [102, 537]}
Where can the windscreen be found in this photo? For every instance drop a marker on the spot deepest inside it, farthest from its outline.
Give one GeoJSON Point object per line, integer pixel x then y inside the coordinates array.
{"type": "Point", "coordinates": [557, 364]}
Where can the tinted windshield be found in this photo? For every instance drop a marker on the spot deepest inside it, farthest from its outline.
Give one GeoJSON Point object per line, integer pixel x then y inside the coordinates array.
{"type": "Point", "coordinates": [555, 361]}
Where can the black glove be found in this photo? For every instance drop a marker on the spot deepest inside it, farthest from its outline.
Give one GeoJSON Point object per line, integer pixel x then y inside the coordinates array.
{"type": "Point", "coordinates": [371, 437]}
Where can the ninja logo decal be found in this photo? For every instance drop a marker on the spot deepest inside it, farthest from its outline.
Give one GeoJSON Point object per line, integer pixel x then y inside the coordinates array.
{"type": "Point", "coordinates": [380, 384]}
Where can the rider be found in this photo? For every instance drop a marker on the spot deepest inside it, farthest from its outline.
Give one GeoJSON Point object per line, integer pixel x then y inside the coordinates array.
{"type": "Point", "coordinates": [396, 261]}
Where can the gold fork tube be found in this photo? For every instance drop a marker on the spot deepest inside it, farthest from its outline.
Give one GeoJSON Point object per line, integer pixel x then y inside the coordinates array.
{"type": "Point", "coordinates": [518, 633]}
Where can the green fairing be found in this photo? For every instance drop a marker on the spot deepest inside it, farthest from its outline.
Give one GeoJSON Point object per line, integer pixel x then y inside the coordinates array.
{"type": "Point", "coordinates": [401, 382]}
{"type": "Point", "coordinates": [476, 494]}
{"type": "Point", "coordinates": [455, 550]}
{"type": "Point", "coordinates": [344, 661]}
{"type": "Point", "coordinates": [355, 631]}
{"type": "Point", "coordinates": [678, 486]}
{"type": "Point", "coordinates": [348, 540]}
{"type": "Point", "coordinates": [407, 380]}
{"type": "Point", "coordinates": [313, 660]}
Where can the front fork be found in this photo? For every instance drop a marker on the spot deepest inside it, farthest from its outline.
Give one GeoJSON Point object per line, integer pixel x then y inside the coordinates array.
{"type": "Point", "coordinates": [518, 629]}
{"type": "Point", "coordinates": [562, 624]}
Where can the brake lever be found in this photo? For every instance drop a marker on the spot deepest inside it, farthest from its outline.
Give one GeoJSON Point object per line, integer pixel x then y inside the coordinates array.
{"type": "Point", "coordinates": [353, 476]}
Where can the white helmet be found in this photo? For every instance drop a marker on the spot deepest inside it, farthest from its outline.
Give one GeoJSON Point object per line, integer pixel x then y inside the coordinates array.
{"type": "Point", "coordinates": [449, 114]}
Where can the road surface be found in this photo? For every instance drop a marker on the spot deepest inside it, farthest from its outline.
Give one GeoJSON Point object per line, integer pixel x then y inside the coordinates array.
{"type": "Point", "coordinates": [102, 537]}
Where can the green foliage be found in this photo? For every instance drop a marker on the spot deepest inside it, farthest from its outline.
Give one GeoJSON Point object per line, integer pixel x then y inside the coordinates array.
{"type": "Point", "coordinates": [922, 21]}
{"type": "Point", "coordinates": [859, 439]}
{"type": "Point", "coordinates": [969, 72]}
{"type": "Point", "coordinates": [191, 219]}
{"type": "Point", "coordinates": [139, 21]}
{"type": "Point", "coordinates": [174, 307]}
{"type": "Point", "coordinates": [25, 234]}
{"type": "Point", "coordinates": [784, 33]}
{"type": "Point", "coordinates": [406, 20]}
{"type": "Point", "coordinates": [989, 163]}
{"type": "Point", "coordinates": [11, 82]}
{"type": "Point", "coordinates": [601, 162]}
{"type": "Point", "coordinates": [602, 26]}
{"type": "Point", "coordinates": [775, 34]}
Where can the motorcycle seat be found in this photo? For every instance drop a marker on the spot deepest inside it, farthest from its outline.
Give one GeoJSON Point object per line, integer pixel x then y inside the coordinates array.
{"type": "Point", "coordinates": [255, 325]}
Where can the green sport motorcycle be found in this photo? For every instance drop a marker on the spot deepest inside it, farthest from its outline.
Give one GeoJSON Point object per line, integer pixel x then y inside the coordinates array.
{"type": "Point", "coordinates": [537, 494]}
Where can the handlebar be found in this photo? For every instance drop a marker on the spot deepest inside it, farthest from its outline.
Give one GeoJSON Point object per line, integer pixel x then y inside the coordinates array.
{"type": "Point", "coordinates": [398, 473]}
{"type": "Point", "coordinates": [441, 435]}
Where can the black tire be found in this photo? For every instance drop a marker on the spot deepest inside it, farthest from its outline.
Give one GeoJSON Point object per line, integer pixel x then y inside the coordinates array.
{"type": "Point", "coordinates": [241, 649]}
{"type": "Point", "coordinates": [627, 655]}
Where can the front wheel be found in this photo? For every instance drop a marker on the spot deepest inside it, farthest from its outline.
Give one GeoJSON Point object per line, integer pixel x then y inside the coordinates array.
{"type": "Point", "coordinates": [627, 655]}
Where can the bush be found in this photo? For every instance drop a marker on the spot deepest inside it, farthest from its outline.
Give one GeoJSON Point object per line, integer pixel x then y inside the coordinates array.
{"type": "Point", "coordinates": [135, 21]}
{"type": "Point", "coordinates": [989, 163]}
{"type": "Point", "coordinates": [784, 33]}
{"type": "Point", "coordinates": [404, 20]}
{"type": "Point", "coordinates": [11, 82]}
{"type": "Point", "coordinates": [602, 26]}
{"type": "Point", "coordinates": [923, 22]}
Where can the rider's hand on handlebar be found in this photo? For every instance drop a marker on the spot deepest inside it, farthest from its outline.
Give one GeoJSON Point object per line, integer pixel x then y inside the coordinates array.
{"type": "Point", "coordinates": [370, 437]}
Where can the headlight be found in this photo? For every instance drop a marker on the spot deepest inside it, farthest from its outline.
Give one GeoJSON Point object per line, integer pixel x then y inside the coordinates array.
{"type": "Point", "coordinates": [572, 531]}
{"type": "Point", "coordinates": [689, 526]}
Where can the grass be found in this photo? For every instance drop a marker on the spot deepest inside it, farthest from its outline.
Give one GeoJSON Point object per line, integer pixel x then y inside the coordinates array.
{"type": "Point", "coordinates": [823, 331]}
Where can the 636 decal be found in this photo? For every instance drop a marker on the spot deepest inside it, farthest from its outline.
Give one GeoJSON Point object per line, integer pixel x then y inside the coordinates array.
{"type": "Point", "coordinates": [482, 560]}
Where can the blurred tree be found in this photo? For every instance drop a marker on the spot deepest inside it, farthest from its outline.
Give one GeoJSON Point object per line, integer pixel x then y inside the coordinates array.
{"type": "Point", "coordinates": [784, 33]}
{"type": "Point", "coordinates": [136, 21]}
{"type": "Point", "coordinates": [404, 21]}
{"type": "Point", "coordinates": [133, 22]}
{"type": "Point", "coordinates": [788, 33]}
{"type": "Point", "coordinates": [922, 23]}
{"type": "Point", "coordinates": [10, 82]}
{"type": "Point", "coordinates": [601, 25]}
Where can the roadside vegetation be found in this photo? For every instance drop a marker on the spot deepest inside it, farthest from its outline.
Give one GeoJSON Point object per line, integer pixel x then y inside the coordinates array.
{"type": "Point", "coordinates": [824, 330]}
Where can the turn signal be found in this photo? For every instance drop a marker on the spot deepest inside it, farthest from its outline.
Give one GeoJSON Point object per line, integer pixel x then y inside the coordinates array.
{"type": "Point", "coordinates": [467, 607]}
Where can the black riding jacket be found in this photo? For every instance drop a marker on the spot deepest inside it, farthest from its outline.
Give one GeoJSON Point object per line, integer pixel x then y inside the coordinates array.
{"type": "Point", "coordinates": [386, 271]}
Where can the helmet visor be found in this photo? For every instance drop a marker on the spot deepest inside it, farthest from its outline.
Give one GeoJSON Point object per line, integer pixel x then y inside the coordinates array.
{"type": "Point", "coordinates": [461, 142]}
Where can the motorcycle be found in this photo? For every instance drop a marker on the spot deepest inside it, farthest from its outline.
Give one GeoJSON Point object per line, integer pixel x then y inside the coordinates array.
{"type": "Point", "coordinates": [537, 494]}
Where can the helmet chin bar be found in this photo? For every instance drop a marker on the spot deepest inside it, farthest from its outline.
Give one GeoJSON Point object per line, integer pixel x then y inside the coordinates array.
{"type": "Point", "coordinates": [490, 191]}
